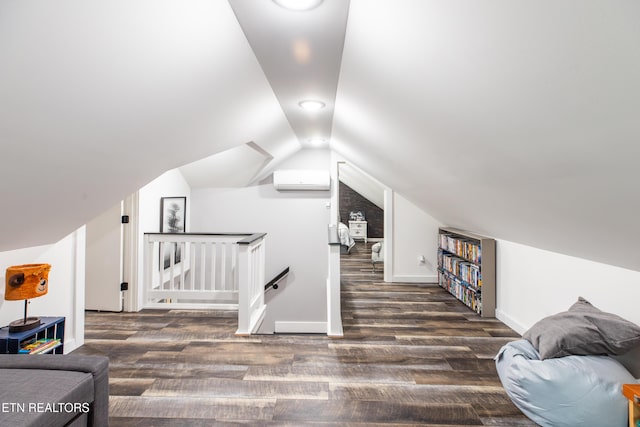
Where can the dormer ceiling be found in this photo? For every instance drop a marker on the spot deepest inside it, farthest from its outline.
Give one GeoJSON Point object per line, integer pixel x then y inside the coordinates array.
{"type": "Point", "coordinates": [300, 52]}
{"type": "Point", "coordinates": [512, 119]}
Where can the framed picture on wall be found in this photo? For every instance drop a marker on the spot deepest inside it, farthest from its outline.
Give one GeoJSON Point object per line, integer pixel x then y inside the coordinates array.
{"type": "Point", "coordinates": [173, 214]}
{"type": "Point", "coordinates": [172, 220]}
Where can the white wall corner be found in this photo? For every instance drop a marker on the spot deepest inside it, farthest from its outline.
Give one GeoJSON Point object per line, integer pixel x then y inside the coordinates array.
{"type": "Point", "coordinates": [388, 233]}
{"type": "Point", "coordinates": [79, 237]}
{"type": "Point", "coordinates": [510, 321]}
{"type": "Point", "coordinates": [334, 314]}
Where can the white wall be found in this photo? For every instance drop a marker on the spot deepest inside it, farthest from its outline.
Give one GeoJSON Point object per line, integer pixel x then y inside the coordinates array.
{"type": "Point", "coordinates": [296, 226]}
{"type": "Point", "coordinates": [169, 184]}
{"type": "Point", "coordinates": [104, 261]}
{"type": "Point", "coordinates": [415, 234]}
{"type": "Point", "coordinates": [534, 283]}
{"type": "Point", "coordinates": [66, 285]}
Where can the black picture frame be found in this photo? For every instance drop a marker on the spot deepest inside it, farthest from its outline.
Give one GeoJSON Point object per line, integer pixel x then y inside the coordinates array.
{"type": "Point", "coordinates": [173, 214]}
{"type": "Point", "coordinates": [173, 217]}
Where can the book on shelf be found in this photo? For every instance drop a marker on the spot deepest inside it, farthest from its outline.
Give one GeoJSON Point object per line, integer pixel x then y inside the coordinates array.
{"type": "Point", "coordinates": [39, 346]}
{"type": "Point", "coordinates": [464, 248]}
{"type": "Point", "coordinates": [459, 267]}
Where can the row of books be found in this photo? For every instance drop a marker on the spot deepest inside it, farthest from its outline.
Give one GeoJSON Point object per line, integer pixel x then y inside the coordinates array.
{"type": "Point", "coordinates": [464, 270]}
{"type": "Point", "coordinates": [465, 248]}
{"type": "Point", "coordinates": [468, 296]}
{"type": "Point", "coordinates": [39, 346]}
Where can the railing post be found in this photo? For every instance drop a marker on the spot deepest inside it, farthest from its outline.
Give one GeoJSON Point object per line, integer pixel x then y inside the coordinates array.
{"type": "Point", "coordinates": [244, 273]}
{"type": "Point", "coordinates": [251, 266]}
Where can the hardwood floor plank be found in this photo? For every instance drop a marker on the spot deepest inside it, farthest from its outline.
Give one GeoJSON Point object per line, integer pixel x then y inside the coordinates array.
{"type": "Point", "coordinates": [516, 421]}
{"type": "Point", "coordinates": [358, 373]}
{"type": "Point", "coordinates": [192, 407]}
{"type": "Point", "coordinates": [443, 394]}
{"type": "Point", "coordinates": [482, 347]}
{"type": "Point", "coordinates": [161, 422]}
{"type": "Point", "coordinates": [227, 358]}
{"type": "Point", "coordinates": [239, 389]}
{"type": "Point", "coordinates": [129, 386]}
{"type": "Point", "coordinates": [376, 412]}
{"type": "Point", "coordinates": [176, 370]}
{"type": "Point", "coordinates": [107, 334]}
{"type": "Point", "coordinates": [385, 362]}
{"type": "Point", "coordinates": [457, 378]}
{"type": "Point", "coordinates": [472, 365]}
{"type": "Point", "coordinates": [395, 354]}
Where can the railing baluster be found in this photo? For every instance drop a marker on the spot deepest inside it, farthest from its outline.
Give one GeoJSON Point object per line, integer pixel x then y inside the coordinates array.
{"type": "Point", "coordinates": [183, 261]}
{"type": "Point", "coordinates": [213, 258]}
{"type": "Point", "coordinates": [203, 265]}
{"type": "Point", "coordinates": [234, 267]}
{"type": "Point", "coordinates": [161, 283]}
{"type": "Point", "coordinates": [192, 265]}
{"type": "Point", "coordinates": [223, 270]}
{"type": "Point", "coordinates": [172, 254]}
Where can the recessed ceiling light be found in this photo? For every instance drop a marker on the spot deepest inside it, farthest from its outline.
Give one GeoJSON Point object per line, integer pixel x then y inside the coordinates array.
{"type": "Point", "coordinates": [311, 105]}
{"type": "Point", "coordinates": [298, 4]}
{"type": "Point", "coordinates": [317, 141]}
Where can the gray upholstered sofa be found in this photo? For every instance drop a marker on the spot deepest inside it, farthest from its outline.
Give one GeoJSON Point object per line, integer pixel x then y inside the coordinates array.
{"type": "Point", "coordinates": [54, 390]}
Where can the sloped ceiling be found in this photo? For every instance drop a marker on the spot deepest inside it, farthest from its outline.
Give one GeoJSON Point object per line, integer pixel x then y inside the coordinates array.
{"type": "Point", "coordinates": [362, 184]}
{"type": "Point", "coordinates": [300, 54]}
{"type": "Point", "coordinates": [515, 119]}
{"type": "Point", "coordinates": [98, 98]}
{"type": "Point", "coordinates": [221, 169]}
{"type": "Point", "coordinates": [509, 118]}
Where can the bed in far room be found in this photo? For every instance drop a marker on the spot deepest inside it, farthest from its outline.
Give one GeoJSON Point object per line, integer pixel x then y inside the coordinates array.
{"type": "Point", "coordinates": [346, 241]}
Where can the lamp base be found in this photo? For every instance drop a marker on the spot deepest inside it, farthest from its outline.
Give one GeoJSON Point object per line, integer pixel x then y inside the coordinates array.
{"type": "Point", "coordinates": [22, 325]}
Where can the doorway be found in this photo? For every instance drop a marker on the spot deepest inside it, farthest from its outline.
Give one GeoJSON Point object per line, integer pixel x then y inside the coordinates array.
{"type": "Point", "coordinates": [361, 214]}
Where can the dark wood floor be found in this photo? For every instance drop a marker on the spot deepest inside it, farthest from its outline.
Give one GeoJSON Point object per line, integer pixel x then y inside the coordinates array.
{"type": "Point", "coordinates": [411, 355]}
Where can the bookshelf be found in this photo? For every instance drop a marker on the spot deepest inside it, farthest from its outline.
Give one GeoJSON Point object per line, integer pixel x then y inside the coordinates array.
{"type": "Point", "coordinates": [467, 269]}
{"type": "Point", "coordinates": [50, 333]}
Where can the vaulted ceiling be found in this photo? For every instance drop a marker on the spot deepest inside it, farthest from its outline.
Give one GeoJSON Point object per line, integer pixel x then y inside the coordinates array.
{"type": "Point", "coordinates": [516, 119]}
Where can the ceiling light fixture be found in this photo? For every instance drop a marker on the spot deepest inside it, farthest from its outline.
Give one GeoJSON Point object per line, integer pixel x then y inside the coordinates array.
{"type": "Point", "coordinates": [311, 105]}
{"type": "Point", "coordinates": [317, 141]}
{"type": "Point", "coordinates": [298, 4]}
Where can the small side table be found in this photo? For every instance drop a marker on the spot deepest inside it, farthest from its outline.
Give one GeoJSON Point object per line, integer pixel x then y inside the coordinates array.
{"type": "Point", "coordinates": [358, 230]}
{"type": "Point", "coordinates": [632, 392]}
{"type": "Point", "coordinates": [50, 328]}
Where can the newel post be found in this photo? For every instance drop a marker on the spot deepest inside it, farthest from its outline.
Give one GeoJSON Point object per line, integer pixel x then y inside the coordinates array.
{"type": "Point", "coordinates": [251, 274]}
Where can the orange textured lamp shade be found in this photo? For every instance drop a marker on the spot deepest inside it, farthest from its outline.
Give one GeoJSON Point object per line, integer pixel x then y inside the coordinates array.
{"type": "Point", "coordinates": [24, 282]}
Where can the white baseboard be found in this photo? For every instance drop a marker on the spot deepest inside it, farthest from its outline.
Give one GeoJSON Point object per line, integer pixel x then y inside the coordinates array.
{"type": "Point", "coordinates": [415, 279]}
{"type": "Point", "coordinates": [300, 327]}
{"type": "Point", "coordinates": [510, 322]}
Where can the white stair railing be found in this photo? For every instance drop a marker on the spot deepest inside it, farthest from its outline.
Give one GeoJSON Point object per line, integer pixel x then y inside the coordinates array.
{"type": "Point", "coordinates": [209, 271]}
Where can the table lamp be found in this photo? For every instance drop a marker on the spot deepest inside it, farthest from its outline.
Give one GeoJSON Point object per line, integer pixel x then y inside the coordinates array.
{"type": "Point", "coordinates": [24, 282]}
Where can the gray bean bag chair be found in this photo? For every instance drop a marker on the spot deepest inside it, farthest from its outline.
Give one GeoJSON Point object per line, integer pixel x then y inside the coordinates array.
{"type": "Point", "coordinates": [565, 391]}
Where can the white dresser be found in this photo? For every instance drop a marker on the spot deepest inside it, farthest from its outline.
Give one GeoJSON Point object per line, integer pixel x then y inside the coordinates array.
{"type": "Point", "coordinates": [358, 230]}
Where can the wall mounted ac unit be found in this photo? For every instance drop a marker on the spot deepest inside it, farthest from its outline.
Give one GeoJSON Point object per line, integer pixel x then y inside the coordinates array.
{"type": "Point", "coordinates": [294, 179]}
